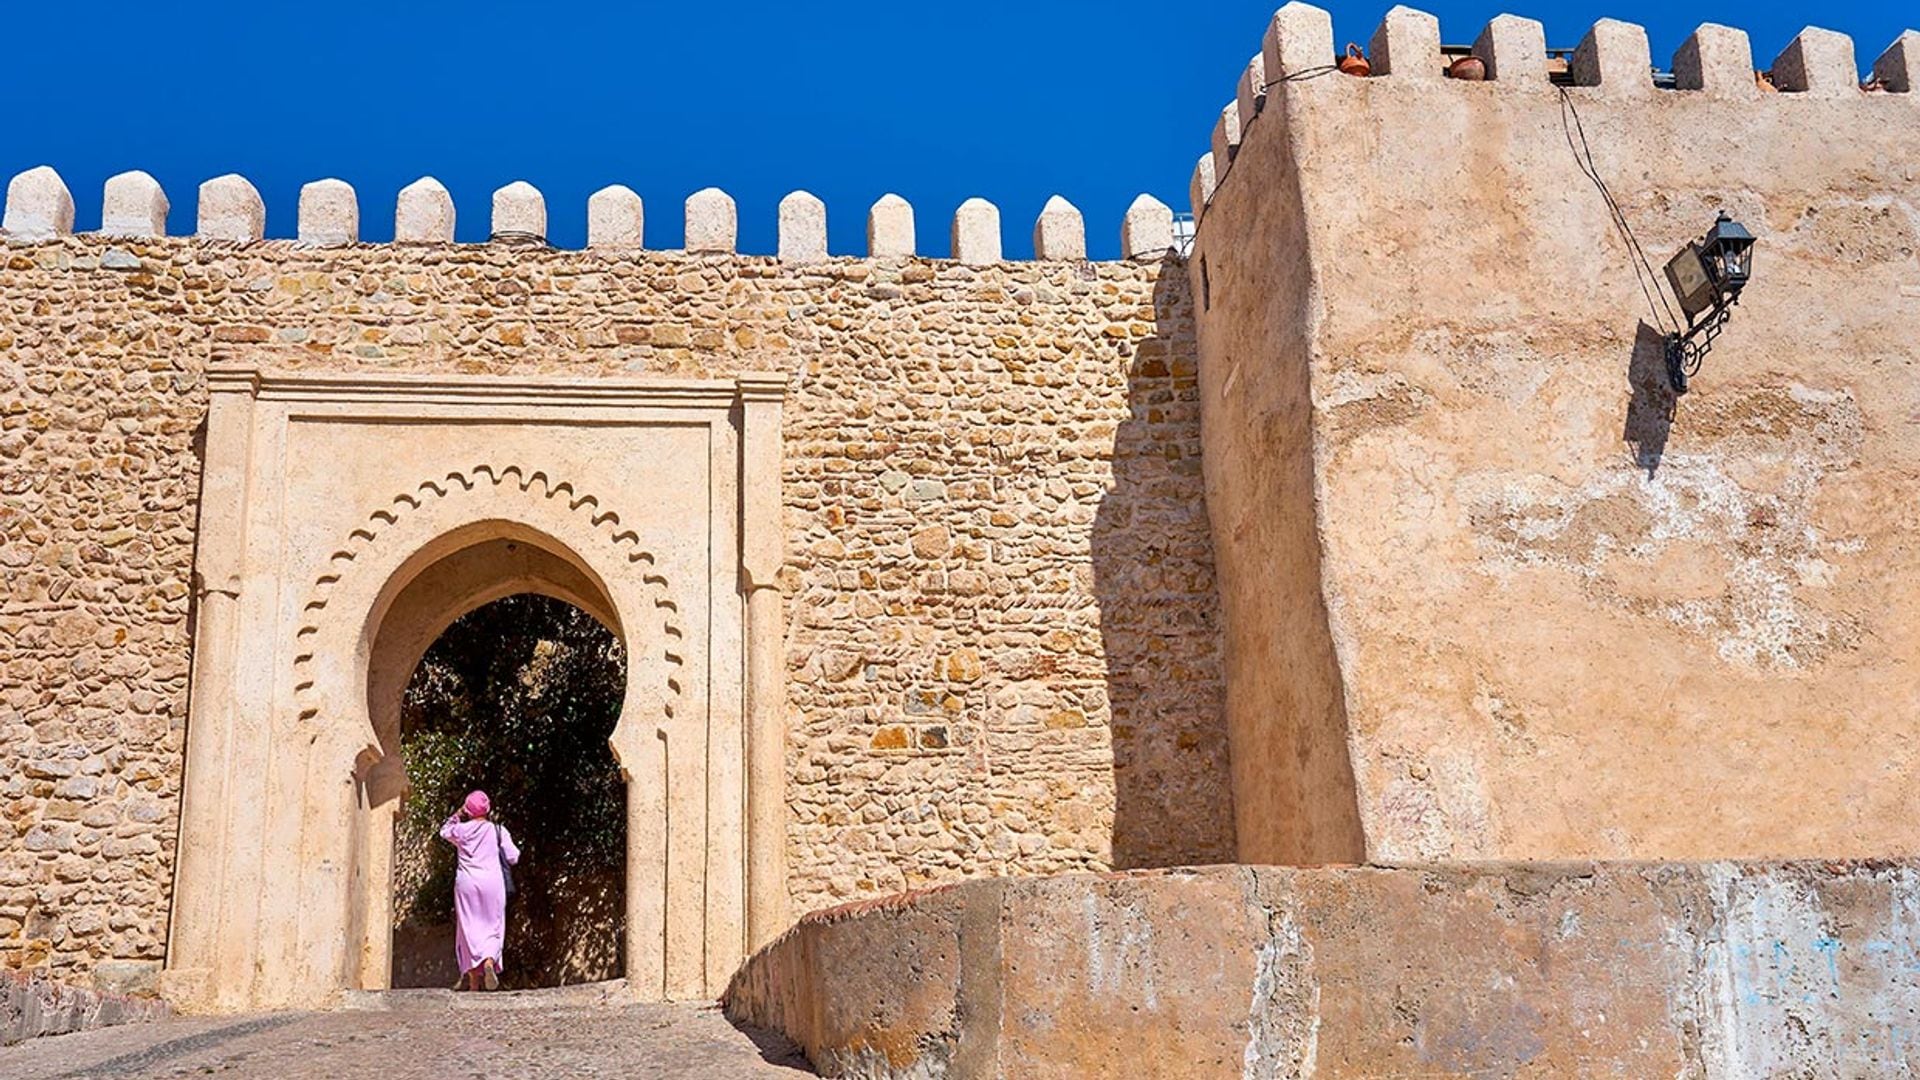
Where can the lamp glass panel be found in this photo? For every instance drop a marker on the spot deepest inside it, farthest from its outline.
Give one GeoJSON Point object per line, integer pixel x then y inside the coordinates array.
{"type": "Point", "coordinates": [1692, 283]}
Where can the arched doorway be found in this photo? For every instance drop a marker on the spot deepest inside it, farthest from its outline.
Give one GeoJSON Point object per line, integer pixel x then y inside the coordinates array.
{"type": "Point", "coordinates": [452, 591]}
{"type": "Point", "coordinates": [347, 522]}
{"type": "Point", "coordinates": [518, 698]}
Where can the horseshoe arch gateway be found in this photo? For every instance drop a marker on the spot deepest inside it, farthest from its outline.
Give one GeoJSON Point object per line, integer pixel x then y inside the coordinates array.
{"type": "Point", "coordinates": [345, 521]}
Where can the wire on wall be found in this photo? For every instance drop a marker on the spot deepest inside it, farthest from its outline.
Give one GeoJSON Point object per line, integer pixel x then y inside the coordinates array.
{"type": "Point", "coordinates": [1643, 271]}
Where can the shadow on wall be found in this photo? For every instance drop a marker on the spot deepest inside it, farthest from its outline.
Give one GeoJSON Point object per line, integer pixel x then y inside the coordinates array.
{"type": "Point", "coordinates": [1152, 551]}
{"type": "Point", "coordinates": [1650, 409]}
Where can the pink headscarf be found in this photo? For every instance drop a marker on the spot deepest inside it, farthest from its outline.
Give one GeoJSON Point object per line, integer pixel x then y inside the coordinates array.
{"type": "Point", "coordinates": [478, 804]}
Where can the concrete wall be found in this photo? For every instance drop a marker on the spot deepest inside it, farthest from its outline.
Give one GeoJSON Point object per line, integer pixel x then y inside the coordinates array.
{"type": "Point", "coordinates": [1703, 970]}
{"type": "Point", "coordinates": [1002, 640]}
{"type": "Point", "coordinates": [1569, 616]}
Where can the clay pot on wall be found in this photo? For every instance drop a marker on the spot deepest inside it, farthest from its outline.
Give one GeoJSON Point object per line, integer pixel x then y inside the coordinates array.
{"type": "Point", "coordinates": [1355, 62]}
{"type": "Point", "coordinates": [1468, 69]}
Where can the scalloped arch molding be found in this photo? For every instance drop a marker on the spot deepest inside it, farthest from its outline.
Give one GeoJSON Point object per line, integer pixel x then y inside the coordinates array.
{"type": "Point", "coordinates": [655, 501]}
{"type": "Point", "coordinates": [489, 485]}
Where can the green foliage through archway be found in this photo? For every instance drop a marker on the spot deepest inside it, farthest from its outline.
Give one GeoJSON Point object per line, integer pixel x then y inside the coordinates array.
{"type": "Point", "coordinates": [517, 698]}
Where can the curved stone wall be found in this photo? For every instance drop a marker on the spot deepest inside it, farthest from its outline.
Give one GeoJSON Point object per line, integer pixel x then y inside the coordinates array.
{"type": "Point", "coordinates": [1730, 970]}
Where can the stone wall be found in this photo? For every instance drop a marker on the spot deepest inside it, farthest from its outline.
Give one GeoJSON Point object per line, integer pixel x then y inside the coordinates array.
{"type": "Point", "coordinates": [32, 1006]}
{"type": "Point", "coordinates": [1003, 635]}
{"type": "Point", "coordinates": [1549, 610]}
{"type": "Point", "coordinates": [1716, 970]}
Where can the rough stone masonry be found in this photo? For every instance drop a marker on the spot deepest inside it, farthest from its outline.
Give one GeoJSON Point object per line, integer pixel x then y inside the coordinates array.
{"type": "Point", "coordinates": [1002, 633]}
{"type": "Point", "coordinates": [1368, 532]}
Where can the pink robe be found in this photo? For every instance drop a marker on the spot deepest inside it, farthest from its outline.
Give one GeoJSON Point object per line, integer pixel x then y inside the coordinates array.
{"type": "Point", "coordinates": [479, 893]}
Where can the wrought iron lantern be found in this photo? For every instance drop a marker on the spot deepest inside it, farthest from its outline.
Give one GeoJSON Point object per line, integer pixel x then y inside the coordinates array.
{"type": "Point", "coordinates": [1706, 276]}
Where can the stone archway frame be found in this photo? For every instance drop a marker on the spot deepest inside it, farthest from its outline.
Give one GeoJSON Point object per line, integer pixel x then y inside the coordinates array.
{"type": "Point", "coordinates": [340, 508]}
{"type": "Point", "coordinates": [513, 501]}
{"type": "Point", "coordinates": [411, 567]}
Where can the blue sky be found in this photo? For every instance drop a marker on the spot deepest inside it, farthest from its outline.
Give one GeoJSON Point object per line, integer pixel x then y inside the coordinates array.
{"type": "Point", "coordinates": [1010, 101]}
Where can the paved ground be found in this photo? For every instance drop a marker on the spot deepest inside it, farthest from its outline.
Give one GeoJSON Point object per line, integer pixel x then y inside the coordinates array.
{"type": "Point", "coordinates": [437, 1034]}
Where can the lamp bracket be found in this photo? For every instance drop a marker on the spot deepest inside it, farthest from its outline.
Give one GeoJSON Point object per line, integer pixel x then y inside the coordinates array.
{"type": "Point", "coordinates": [1686, 350]}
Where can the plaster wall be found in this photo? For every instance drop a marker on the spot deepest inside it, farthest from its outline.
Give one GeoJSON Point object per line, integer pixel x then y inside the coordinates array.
{"type": "Point", "coordinates": [1569, 615]}
{"type": "Point", "coordinates": [1001, 628]}
{"type": "Point", "coordinates": [1709, 970]}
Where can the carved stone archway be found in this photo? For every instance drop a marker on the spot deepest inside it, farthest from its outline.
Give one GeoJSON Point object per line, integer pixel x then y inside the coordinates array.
{"type": "Point", "coordinates": [347, 521]}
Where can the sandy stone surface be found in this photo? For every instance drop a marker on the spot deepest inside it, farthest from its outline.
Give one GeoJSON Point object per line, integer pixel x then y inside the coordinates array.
{"type": "Point", "coordinates": [422, 1034]}
{"type": "Point", "coordinates": [1002, 640]}
{"type": "Point", "coordinates": [1543, 609]}
{"type": "Point", "coordinates": [519, 208]}
{"type": "Point", "coordinates": [329, 214]}
{"type": "Point", "coordinates": [423, 213]}
{"type": "Point", "coordinates": [712, 221]}
{"type": "Point", "coordinates": [616, 218]}
{"type": "Point", "coordinates": [38, 205]}
{"type": "Point", "coordinates": [231, 209]}
{"type": "Point", "coordinates": [1711, 971]}
{"type": "Point", "coordinates": [133, 205]}
{"type": "Point", "coordinates": [890, 228]}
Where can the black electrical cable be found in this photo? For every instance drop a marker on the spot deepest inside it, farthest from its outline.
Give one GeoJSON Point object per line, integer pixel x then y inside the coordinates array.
{"type": "Point", "coordinates": [1297, 76]}
{"type": "Point", "coordinates": [1643, 271]}
{"type": "Point", "coordinates": [1302, 75]}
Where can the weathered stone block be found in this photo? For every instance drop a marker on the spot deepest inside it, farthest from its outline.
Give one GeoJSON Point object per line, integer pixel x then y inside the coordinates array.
{"type": "Point", "coordinates": [1817, 62]}
{"type": "Point", "coordinates": [1615, 57]}
{"type": "Point", "coordinates": [1298, 38]}
{"type": "Point", "coordinates": [77, 787]}
{"type": "Point", "coordinates": [519, 212]}
{"type": "Point", "coordinates": [1147, 230]}
{"type": "Point", "coordinates": [890, 228]}
{"type": "Point", "coordinates": [1237, 971]}
{"type": "Point", "coordinates": [133, 205]}
{"type": "Point", "coordinates": [329, 214]}
{"type": "Point", "coordinates": [1407, 45]}
{"type": "Point", "coordinates": [231, 210]}
{"type": "Point", "coordinates": [1251, 93]}
{"type": "Point", "coordinates": [1226, 136]}
{"type": "Point", "coordinates": [1060, 233]}
{"type": "Point", "coordinates": [616, 219]}
{"type": "Point", "coordinates": [712, 223]}
{"type": "Point", "coordinates": [1718, 60]}
{"type": "Point", "coordinates": [1898, 69]}
{"type": "Point", "coordinates": [1514, 50]}
{"type": "Point", "coordinates": [803, 228]}
{"type": "Point", "coordinates": [1200, 188]}
{"type": "Point", "coordinates": [32, 1006]}
{"type": "Point", "coordinates": [424, 213]}
{"type": "Point", "coordinates": [127, 976]}
{"type": "Point", "coordinates": [976, 232]}
{"type": "Point", "coordinates": [39, 206]}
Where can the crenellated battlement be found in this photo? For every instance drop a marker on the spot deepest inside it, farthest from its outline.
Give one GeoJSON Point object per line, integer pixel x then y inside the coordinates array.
{"type": "Point", "coordinates": [40, 207]}
{"type": "Point", "coordinates": [1366, 530]}
{"type": "Point", "coordinates": [1543, 606]}
{"type": "Point", "coordinates": [1613, 61]}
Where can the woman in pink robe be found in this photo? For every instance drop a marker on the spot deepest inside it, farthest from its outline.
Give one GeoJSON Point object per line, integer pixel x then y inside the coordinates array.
{"type": "Point", "coordinates": [479, 892]}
